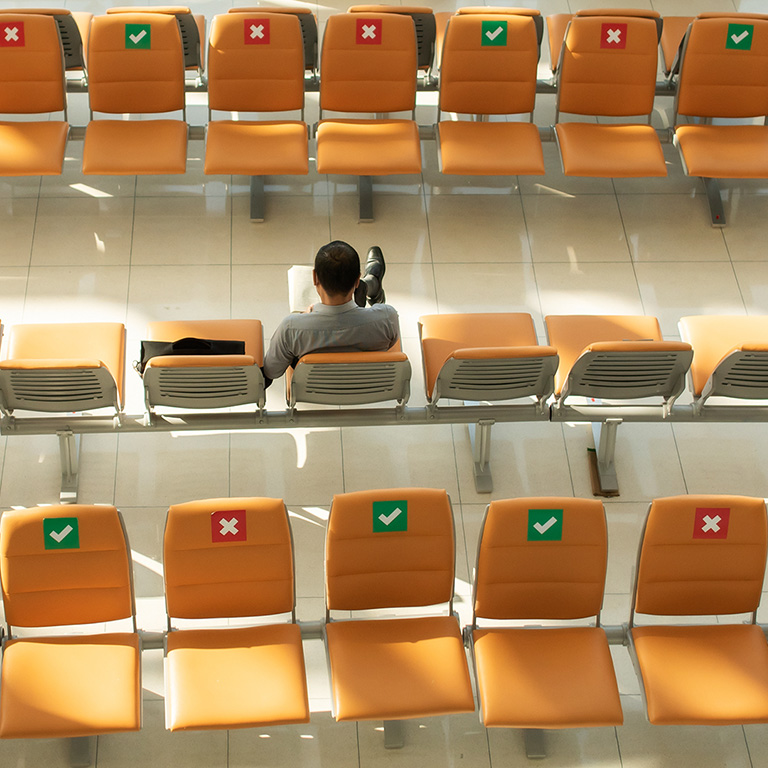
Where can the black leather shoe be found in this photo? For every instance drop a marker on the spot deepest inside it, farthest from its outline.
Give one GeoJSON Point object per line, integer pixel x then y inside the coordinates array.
{"type": "Point", "coordinates": [374, 275]}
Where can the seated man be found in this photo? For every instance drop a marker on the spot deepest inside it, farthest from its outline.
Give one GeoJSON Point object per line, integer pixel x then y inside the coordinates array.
{"type": "Point", "coordinates": [341, 322]}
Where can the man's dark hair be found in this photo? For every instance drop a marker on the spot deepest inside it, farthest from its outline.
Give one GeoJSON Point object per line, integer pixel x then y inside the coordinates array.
{"type": "Point", "coordinates": [337, 266]}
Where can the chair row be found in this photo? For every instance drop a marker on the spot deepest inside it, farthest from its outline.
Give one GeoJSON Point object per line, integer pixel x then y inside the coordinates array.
{"type": "Point", "coordinates": [541, 658]}
{"type": "Point", "coordinates": [607, 67]}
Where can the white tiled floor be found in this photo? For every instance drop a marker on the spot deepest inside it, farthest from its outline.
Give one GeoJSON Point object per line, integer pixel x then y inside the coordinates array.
{"type": "Point", "coordinates": [183, 247]}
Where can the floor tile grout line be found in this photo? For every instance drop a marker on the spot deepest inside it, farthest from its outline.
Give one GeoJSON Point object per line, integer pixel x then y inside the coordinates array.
{"type": "Point", "coordinates": [631, 259]}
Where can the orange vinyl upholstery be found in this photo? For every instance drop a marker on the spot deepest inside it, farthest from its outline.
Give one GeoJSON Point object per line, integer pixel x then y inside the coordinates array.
{"type": "Point", "coordinates": [702, 555]}
{"type": "Point", "coordinates": [64, 367]}
{"type": "Point", "coordinates": [136, 65]}
{"type": "Point", "coordinates": [608, 67]}
{"type": "Point", "coordinates": [543, 558]}
{"type": "Point", "coordinates": [557, 23]}
{"type": "Point", "coordinates": [249, 331]}
{"type": "Point", "coordinates": [714, 338]}
{"type": "Point", "coordinates": [495, 355]}
{"type": "Point", "coordinates": [368, 65]}
{"type": "Point", "coordinates": [228, 558]}
{"type": "Point", "coordinates": [384, 549]}
{"type": "Point", "coordinates": [719, 78]}
{"type": "Point", "coordinates": [249, 77]}
{"type": "Point", "coordinates": [31, 82]}
{"type": "Point", "coordinates": [67, 565]}
{"type": "Point", "coordinates": [672, 35]}
{"type": "Point", "coordinates": [479, 76]}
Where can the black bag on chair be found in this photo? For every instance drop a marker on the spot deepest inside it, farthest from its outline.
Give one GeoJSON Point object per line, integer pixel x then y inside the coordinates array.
{"type": "Point", "coordinates": [187, 346]}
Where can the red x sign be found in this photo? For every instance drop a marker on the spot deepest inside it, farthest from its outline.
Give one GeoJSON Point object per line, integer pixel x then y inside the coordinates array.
{"type": "Point", "coordinates": [256, 31]}
{"type": "Point", "coordinates": [368, 31]}
{"type": "Point", "coordinates": [228, 525]}
{"type": "Point", "coordinates": [711, 523]}
{"type": "Point", "coordinates": [613, 36]}
{"type": "Point", "coordinates": [12, 34]}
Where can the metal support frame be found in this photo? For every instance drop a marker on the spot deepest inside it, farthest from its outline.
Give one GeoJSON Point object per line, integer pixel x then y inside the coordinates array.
{"type": "Point", "coordinates": [80, 750]}
{"type": "Point", "coordinates": [258, 199]}
{"type": "Point", "coordinates": [604, 433]}
{"type": "Point", "coordinates": [480, 439]}
{"type": "Point", "coordinates": [534, 744]}
{"type": "Point", "coordinates": [394, 734]}
{"type": "Point", "coordinates": [365, 195]}
{"type": "Point", "coordinates": [715, 202]}
{"type": "Point", "coordinates": [69, 456]}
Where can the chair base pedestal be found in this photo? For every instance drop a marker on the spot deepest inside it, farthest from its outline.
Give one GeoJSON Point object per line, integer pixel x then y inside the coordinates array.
{"type": "Point", "coordinates": [534, 744]}
{"type": "Point", "coordinates": [480, 440]}
{"type": "Point", "coordinates": [258, 202]}
{"type": "Point", "coordinates": [69, 456]}
{"type": "Point", "coordinates": [365, 195]}
{"type": "Point", "coordinates": [715, 202]}
{"type": "Point", "coordinates": [394, 734]}
{"type": "Point", "coordinates": [80, 750]}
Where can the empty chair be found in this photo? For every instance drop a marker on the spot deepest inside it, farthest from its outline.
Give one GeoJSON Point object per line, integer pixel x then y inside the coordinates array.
{"type": "Point", "coordinates": [701, 556]}
{"type": "Point", "coordinates": [389, 549]}
{"type": "Point", "coordinates": [608, 68]}
{"type": "Point", "coordinates": [368, 65]}
{"type": "Point", "coordinates": [63, 367]}
{"type": "Point", "coordinates": [730, 356]}
{"type": "Point", "coordinates": [67, 565]}
{"type": "Point", "coordinates": [31, 83]}
{"type": "Point", "coordinates": [543, 559]}
{"type": "Point", "coordinates": [350, 378]}
{"type": "Point", "coordinates": [227, 559]}
{"type": "Point", "coordinates": [136, 66]}
{"type": "Point", "coordinates": [488, 67]}
{"type": "Point", "coordinates": [308, 22]}
{"type": "Point", "coordinates": [723, 75]}
{"type": "Point", "coordinates": [485, 356]}
{"type": "Point", "coordinates": [205, 381]}
{"type": "Point", "coordinates": [256, 64]}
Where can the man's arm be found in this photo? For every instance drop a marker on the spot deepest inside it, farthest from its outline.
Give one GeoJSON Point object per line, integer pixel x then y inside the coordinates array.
{"type": "Point", "coordinates": [280, 355]}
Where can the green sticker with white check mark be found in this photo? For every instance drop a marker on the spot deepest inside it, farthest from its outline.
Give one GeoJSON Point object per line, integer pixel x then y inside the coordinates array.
{"type": "Point", "coordinates": [545, 525]}
{"type": "Point", "coordinates": [61, 533]}
{"type": "Point", "coordinates": [390, 516]}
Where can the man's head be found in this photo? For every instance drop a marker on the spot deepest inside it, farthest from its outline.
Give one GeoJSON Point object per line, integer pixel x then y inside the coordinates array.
{"type": "Point", "coordinates": [337, 268]}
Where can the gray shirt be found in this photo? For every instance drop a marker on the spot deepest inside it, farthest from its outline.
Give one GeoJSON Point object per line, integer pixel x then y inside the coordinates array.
{"type": "Point", "coordinates": [327, 328]}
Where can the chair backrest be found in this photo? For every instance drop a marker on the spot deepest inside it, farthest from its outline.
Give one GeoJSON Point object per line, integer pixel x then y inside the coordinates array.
{"type": "Point", "coordinates": [724, 68]}
{"type": "Point", "coordinates": [189, 29]}
{"type": "Point", "coordinates": [502, 10]}
{"type": "Point", "coordinates": [308, 23]}
{"type": "Point", "coordinates": [64, 366]}
{"type": "Point", "coordinates": [67, 564]}
{"type": "Point", "coordinates": [389, 548]}
{"type": "Point", "coordinates": [31, 65]}
{"type": "Point", "coordinates": [135, 63]}
{"type": "Point", "coordinates": [368, 63]}
{"type": "Point", "coordinates": [608, 66]}
{"type": "Point", "coordinates": [541, 558]}
{"type": "Point", "coordinates": [69, 33]}
{"type": "Point", "coordinates": [423, 21]}
{"type": "Point", "coordinates": [256, 62]}
{"type": "Point", "coordinates": [227, 558]}
{"type": "Point", "coordinates": [351, 378]}
{"type": "Point", "coordinates": [630, 369]}
{"type": "Point", "coordinates": [701, 555]}
{"type": "Point", "coordinates": [489, 64]}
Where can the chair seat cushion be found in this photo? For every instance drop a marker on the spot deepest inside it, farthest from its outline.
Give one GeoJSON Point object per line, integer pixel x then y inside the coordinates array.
{"type": "Point", "coordinates": [724, 151]}
{"type": "Point", "coordinates": [256, 149]}
{"type": "Point", "coordinates": [546, 678]}
{"type": "Point", "coordinates": [135, 147]}
{"type": "Point", "coordinates": [391, 669]}
{"type": "Point", "coordinates": [617, 151]}
{"type": "Point", "coordinates": [368, 147]}
{"type": "Point", "coordinates": [708, 675]}
{"type": "Point", "coordinates": [490, 149]}
{"type": "Point", "coordinates": [32, 149]}
{"type": "Point", "coordinates": [235, 678]}
{"type": "Point", "coordinates": [70, 686]}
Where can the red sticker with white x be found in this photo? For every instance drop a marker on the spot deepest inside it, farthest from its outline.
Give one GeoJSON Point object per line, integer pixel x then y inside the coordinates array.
{"type": "Point", "coordinates": [613, 36]}
{"type": "Point", "coordinates": [12, 34]}
{"type": "Point", "coordinates": [711, 523]}
{"type": "Point", "coordinates": [256, 31]}
{"type": "Point", "coordinates": [228, 525]}
{"type": "Point", "coordinates": [368, 31]}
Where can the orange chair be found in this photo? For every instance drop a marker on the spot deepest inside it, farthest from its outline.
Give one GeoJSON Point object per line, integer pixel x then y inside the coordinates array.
{"type": "Point", "coordinates": [308, 22]}
{"type": "Point", "coordinates": [67, 565]}
{"type": "Point", "coordinates": [730, 356]}
{"type": "Point", "coordinates": [701, 556]}
{"type": "Point", "coordinates": [31, 45]}
{"type": "Point", "coordinates": [224, 559]}
{"type": "Point", "coordinates": [723, 75]}
{"type": "Point", "coordinates": [205, 381]}
{"type": "Point", "coordinates": [368, 65]}
{"type": "Point", "coordinates": [543, 559]}
{"type": "Point", "coordinates": [608, 68]}
{"type": "Point", "coordinates": [135, 65]}
{"type": "Point", "coordinates": [489, 65]}
{"type": "Point", "coordinates": [390, 549]}
{"type": "Point", "coordinates": [256, 64]}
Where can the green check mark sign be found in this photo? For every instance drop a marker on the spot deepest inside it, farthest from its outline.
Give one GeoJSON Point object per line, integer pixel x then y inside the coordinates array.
{"type": "Point", "coordinates": [61, 533]}
{"type": "Point", "coordinates": [390, 516]}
